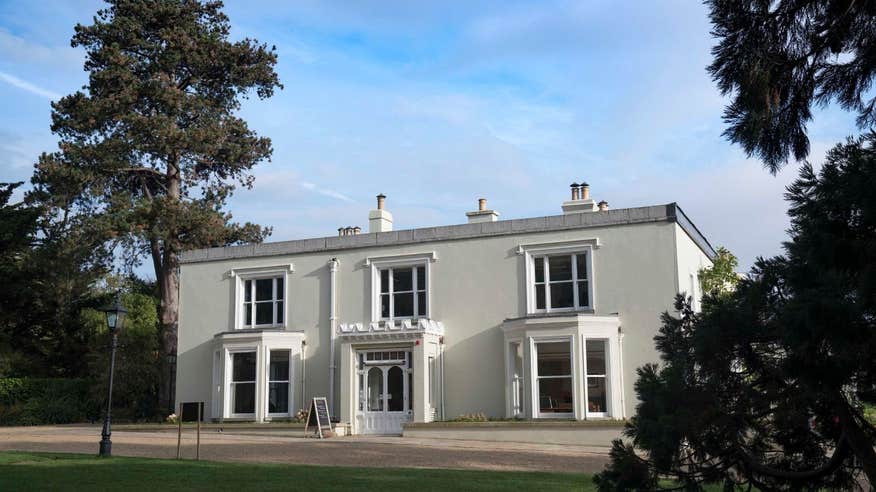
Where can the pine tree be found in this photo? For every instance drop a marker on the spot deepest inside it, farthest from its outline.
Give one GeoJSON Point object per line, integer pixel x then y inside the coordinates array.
{"type": "Point", "coordinates": [152, 147]}
{"type": "Point", "coordinates": [768, 385]}
{"type": "Point", "coordinates": [778, 58]}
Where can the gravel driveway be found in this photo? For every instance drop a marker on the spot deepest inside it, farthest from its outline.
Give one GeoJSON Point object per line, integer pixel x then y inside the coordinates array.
{"type": "Point", "coordinates": [289, 447]}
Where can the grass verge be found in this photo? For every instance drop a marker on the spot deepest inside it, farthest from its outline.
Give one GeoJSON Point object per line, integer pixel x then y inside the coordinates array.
{"type": "Point", "coordinates": [56, 471]}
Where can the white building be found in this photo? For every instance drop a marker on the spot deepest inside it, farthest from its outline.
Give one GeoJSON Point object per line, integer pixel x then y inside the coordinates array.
{"type": "Point", "coordinates": [546, 317]}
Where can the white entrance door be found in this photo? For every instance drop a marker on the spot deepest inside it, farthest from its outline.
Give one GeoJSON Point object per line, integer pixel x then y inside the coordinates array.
{"type": "Point", "coordinates": [384, 391]}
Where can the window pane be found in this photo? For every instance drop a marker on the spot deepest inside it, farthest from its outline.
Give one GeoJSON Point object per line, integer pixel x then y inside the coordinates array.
{"type": "Point", "coordinates": [243, 366]}
{"type": "Point", "coordinates": [403, 305]}
{"type": "Point", "coordinates": [421, 304]}
{"type": "Point", "coordinates": [264, 313]}
{"type": "Point", "coordinates": [244, 397]}
{"type": "Point", "coordinates": [561, 295]}
{"type": "Point", "coordinates": [384, 305]}
{"type": "Point", "coordinates": [555, 395]}
{"type": "Point", "coordinates": [280, 311]}
{"type": "Point", "coordinates": [264, 289]}
{"type": "Point", "coordinates": [581, 259]}
{"type": "Point", "coordinates": [583, 294]}
{"type": "Point", "coordinates": [539, 296]}
{"type": "Point", "coordinates": [395, 387]}
{"type": "Point", "coordinates": [560, 267]}
{"type": "Point", "coordinates": [596, 399]}
{"type": "Point", "coordinates": [375, 389]}
{"type": "Point", "coordinates": [554, 359]}
{"type": "Point", "coordinates": [402, 279]}
{"type": "Point", "coordinates": [278, 398]}
{"type": "Point", "coordinates": [279, 287]}
{"type": "Point", "coordinates": [539, 269]}
{"type": "Point", "coordinates": [595, 357]}
{"type": "Point", "coordinates": [421, 278]}
{"type": "Point", "coordinates": [279, 368]}
{"type": "Point", "coordinates": [247, 317]}
{"type": "Point", "coordinates": [384, 280]}
{"type": "Point", "coordinates": [247, 291]}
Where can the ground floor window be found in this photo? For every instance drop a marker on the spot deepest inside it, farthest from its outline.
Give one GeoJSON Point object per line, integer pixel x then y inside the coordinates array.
{"type": "Point", "coordinates": [595, 370]}
{"type": "Point", "coordinates": [554, 378]}
{"type": "Point", "coordinates": [517, 379]}
{"type": "Point", "coordinates": [385, 381]}
{"type": "Point", "coordinates": [243, 383]}
{"type": "Point", "coordinates": [278, 382]}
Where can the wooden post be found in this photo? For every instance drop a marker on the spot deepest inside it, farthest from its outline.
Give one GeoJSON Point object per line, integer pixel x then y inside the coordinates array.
{"type": "Point", "coordinates": [198, 446]}
{"type": "Point", "coordinates": [179, 430]}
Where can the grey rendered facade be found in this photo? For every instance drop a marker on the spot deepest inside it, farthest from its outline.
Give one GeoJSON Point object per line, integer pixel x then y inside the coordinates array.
{"type": "Point", "coordinates": [482, 337]}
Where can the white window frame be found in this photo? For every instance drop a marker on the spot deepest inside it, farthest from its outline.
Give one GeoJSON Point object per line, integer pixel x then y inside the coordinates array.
{"type": "Point", "coordinates": [268, 382]}
{"type": "Point", "coordinates": [230, 383]}
{"type": "Point", "coordinates": [586, 375]}
{"type": "Point", "coordinates": [401, 261]}
{"type": "Point", "coordinates": [517, 383]}
{"type": "Point", "coordinates": [534, 252]}
{"type": "Point", "coordinates": [535, 378]}
{"type": "Point", "coordinates": [241, 275]}
{"type": "Point", "coordinates": [415, 293]}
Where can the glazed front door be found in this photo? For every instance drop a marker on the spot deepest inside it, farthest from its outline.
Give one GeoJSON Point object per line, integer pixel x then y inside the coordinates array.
{"type": "Point", "coordinates": [384, 392]}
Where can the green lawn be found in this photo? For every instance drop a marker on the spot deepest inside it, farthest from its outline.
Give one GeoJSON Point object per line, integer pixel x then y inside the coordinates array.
{"type": "Point", "coordinates": [53, 471]}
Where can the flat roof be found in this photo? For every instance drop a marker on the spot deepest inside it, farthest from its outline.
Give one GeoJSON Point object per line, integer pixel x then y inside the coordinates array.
{"type": "Point", "coordinates": [622, 216]}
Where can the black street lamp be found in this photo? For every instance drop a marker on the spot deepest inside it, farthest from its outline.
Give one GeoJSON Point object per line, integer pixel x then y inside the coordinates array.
{"type": "Point", "coordinates": [115, 318]}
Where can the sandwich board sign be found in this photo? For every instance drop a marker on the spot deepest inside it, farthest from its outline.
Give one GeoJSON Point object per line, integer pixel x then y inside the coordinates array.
{"type": "Point", "coordinates": [318, 420]}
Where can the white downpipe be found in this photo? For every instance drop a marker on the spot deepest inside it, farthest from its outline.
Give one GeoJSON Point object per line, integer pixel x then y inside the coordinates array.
{"type": "Point", "coordinates": [620, 343]}
{"type": "Point", "coordinates": [333, 322]}
{"type": "Point", "coordinates": [304, 375]}
{"type": "Point", "coordinates": [441, 348]}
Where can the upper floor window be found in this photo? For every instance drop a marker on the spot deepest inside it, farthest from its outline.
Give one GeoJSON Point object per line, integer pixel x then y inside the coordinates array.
{"type": "Point", "coordinates": [263, 302]}
{"type": "Point", "coordinates": [403, 292]}
{"type": "Point", "coordinates": [561, 281]}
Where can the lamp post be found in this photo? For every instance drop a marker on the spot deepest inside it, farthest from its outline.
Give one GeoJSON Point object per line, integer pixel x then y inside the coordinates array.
{"type": "Point", "coordinates": [115, 318]}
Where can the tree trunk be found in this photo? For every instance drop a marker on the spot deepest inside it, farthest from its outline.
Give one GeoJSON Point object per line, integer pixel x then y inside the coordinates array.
{"type": "Point", "coordinates": [167, 257]}
{"type": "Point", "coordinates": [861, 445]}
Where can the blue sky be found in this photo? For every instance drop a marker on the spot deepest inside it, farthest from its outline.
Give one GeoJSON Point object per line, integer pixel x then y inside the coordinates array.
{"type": "Point", "coordinates": [436, 104]}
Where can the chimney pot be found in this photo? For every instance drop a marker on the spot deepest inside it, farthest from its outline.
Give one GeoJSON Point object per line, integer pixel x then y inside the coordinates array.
{"type": "Point", "coordinates": [340, 231]}
{"type": "Point", "coordinates": [603, 206]}
{"type": "Point", "coordinates": [574, 187]}
{"type": "Point", "coordinates": [482, 204]}
{"type": "Point", "coordinates": [357, 230]}
{"type": "Point", "coordinates": [380, 220]}
{"type": "Point", "coordinates": [585, 191]}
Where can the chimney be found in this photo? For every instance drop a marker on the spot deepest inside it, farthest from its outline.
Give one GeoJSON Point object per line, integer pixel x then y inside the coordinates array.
{"type": "Point", "coordinates": [581, 201]}
{"type": "Point", "coordinates": [482, 214]}
{"type": "Point", "coordinates": [358, 230]}
{"type": "Point", "coordinates": [380, 220]}
{"type": "Point", "coordinates": [603, 206]}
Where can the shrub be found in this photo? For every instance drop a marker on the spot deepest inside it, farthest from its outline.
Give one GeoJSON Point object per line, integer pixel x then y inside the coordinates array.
{"type": "Point", "coordinates": [38, 401]}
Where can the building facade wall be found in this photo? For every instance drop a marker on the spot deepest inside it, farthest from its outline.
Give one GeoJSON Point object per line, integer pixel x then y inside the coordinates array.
{"type": "Point", "coordinates": [475, 284]}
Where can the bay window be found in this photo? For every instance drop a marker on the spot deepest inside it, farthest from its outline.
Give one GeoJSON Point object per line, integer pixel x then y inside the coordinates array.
{"type": "Point", "coordinates": [243, 383]}
{"type": "Point", "coordinates": [278, 382]}
{"type": "Point", "coordinates": [554, 378]}
{"type": "Point", "coordinates": [595, 377]}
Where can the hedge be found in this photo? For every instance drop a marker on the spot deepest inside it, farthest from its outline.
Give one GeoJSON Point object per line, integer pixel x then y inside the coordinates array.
{"type": "Point", "coordinates": [41, 401]}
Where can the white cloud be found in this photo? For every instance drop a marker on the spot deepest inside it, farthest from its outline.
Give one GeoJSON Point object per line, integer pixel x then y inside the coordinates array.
{"type": "Point", "coordinates": [325, 191]}
{"type": "Point", "coordinates": [27, 86]}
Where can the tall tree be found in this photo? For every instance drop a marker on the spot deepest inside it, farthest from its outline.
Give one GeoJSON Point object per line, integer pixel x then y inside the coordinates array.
{"type": "Point", "coordinates": [720, 278]}
{"type": "Point", "coordinates": [773, 376]}
{"type": "Point", "coordinates": [152, 146]}
{"type": "Point", "coordinates": [778, 58]}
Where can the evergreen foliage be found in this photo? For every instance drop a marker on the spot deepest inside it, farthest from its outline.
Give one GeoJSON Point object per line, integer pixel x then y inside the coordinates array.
{"type": "Point", "coordinates": [152, 147]}
{"type": "Point", "coordinates": [768, 385]}
{"type": "Point", "coordinates": [778, 58]}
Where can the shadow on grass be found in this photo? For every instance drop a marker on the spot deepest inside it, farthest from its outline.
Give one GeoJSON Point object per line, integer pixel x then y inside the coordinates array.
{"type": "Point", "coordinates": [41, 471]}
